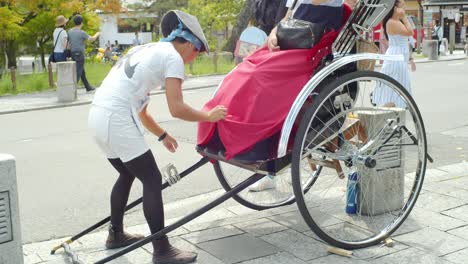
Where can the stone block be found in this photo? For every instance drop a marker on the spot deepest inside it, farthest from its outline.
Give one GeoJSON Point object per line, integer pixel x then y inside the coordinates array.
{"type": "Point", "coordinates": [430, 49]}
{"type": "Point", "coordinates": [11, 250]}
{"type": "Point", "coordinates": [381, 189]}
{"type": "Point", "coordinates": [66, 81]}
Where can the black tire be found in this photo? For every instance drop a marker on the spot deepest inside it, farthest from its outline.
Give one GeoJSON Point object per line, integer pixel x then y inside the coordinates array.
{"type": "Point", "coordinates": [304, 128]}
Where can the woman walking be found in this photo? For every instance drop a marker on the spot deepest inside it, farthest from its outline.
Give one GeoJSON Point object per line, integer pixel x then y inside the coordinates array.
{"type": "Point", "coordinates": [398, 30]}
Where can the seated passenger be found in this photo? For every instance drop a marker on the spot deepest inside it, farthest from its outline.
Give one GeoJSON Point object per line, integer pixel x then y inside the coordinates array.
{"type": "Point", "coordinates": [260, 92]}
{"type": "Point", "coordinates": [315, 11]}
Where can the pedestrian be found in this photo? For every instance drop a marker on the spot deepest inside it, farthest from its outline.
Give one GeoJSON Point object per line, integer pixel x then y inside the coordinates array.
{"type": "Point", "coordinates": [136, 41]}
{"type": "Point", "coordinates": [107, 54]}
{"type": "Point", "coordinates": [120, 111]}
{"type": "Point", "coordinates": [397, 30]}
{"type": "Point", "coordinates": [77, 38]}
{"type": "Point", "coordinates": [108, 44]}
{"type": "Point", "coordinates": [116, 46]}
{"type": "Point", "coordinates": [437, 34]}
{"type": "Point", "coordinates": [60, 39]}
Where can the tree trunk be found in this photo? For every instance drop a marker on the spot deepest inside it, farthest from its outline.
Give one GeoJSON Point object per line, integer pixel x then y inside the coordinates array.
{"type": "Point", "coordinates": [2, 58]}
{"type": "Point", "coordinates": [245, 15]}
{"type": "Point", "coordinates": [41, 53]}
{"type": "Point", "coordinates": [10, 50]}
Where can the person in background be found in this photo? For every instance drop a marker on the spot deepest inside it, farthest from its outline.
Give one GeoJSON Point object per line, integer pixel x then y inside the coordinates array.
{"type": "Point", "coordinates": [77, 39]}
{"type": "Point", "coordinates": [116, 46]}
{"type": "Point", "coordinates": [437, 34]}
{"type": "Point", "coordinates": [398, 30]}
{"type": "Point", "coordinates": [60, 39]}
{"type": "Point", "coordinates": [136, 41]}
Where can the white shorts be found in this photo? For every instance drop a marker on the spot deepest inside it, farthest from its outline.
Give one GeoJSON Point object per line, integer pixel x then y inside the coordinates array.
{"type": "Point", "coordinates": [116, 134]}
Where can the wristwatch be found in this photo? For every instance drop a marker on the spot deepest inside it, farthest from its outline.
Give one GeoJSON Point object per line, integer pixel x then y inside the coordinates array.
{"type": "Point", "coordinates": [163, 136]}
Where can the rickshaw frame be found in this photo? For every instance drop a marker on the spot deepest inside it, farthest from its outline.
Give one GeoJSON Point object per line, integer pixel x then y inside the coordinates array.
{"type": "Point", "coordinates": [352, 31]}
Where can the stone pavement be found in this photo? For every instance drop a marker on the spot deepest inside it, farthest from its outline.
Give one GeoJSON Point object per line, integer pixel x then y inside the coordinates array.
{"type": "Point", "coordinates": [436, 232]}
{"type": "Point", "coordinates": [48, 99]}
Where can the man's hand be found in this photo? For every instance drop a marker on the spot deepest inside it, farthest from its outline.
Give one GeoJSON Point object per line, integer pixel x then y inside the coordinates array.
{"type": "Point", "coordinates": [170, 143]}
{"type": "Point", "coordinates": [217, 113]}
{"type": "Point", "coordinates": [273, 43]}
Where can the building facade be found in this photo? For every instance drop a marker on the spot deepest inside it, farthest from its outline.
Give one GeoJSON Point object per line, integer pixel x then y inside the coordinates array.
{"type": "Point", "coordinates": [450, 13]}
{"type": "Point", "coordinates": [122, 28]}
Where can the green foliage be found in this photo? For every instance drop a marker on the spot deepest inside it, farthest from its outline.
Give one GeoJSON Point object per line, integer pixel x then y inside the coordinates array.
{"type": "Point", "coordinates": [158, 8]}
{"type": "Point", "coordinates": [203, 65]}
{"type": "Point", "coordinates": [96, 72]}
{"type": "Point", "coordinates": [214, 16]}
{"type": "Point", "coordinates": [9, 24]}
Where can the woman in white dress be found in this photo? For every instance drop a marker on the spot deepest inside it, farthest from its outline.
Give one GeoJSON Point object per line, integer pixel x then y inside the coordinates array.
{"type": "Point", "coordinates": [398, 31]}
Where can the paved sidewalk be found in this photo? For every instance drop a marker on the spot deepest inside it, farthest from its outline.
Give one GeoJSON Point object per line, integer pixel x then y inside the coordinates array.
{"type": "Point", "coordinates": [48, 99]}
{"type": "Point", "coordinates": [435, 232]}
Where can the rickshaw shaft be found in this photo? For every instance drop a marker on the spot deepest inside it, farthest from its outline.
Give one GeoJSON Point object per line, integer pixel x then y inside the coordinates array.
{"type": "Point", "coordinates": [240, 187]}
{"type": "Point", "coordinates": [197, 165]}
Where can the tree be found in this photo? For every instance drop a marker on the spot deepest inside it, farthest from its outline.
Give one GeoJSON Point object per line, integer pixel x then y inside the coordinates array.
{"type": "Point", "coordinates": [243, 19]}
{"type": "Point", "coordinates": [159, 8]}
{"type": "Point", "coordinates": [34, 21]}
{"type": "Point", "coordinates": [9, 31]}
{"type": "Point", "coordinates": [214, 17]}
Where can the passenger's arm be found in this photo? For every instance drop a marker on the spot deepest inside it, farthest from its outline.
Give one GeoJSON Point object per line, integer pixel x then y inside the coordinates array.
{"type": "Point", "coordinates": [181, 110]}
{"type": "Point", "coordinates": [272, 40]}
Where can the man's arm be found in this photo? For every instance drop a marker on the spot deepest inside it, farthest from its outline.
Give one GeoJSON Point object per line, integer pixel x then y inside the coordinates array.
{"type": "Point", "coordinates": [178, 108]}
{"type": "Point", "coordinates": [93, 38]}
{"type": "Point", "coordinates": [149, 122]}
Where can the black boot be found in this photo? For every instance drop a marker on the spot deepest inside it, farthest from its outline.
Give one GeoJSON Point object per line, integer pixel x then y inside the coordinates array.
{"type": "Point", "coordinates": [119, 238]}
{"type": "Point", "coordinates": [164, 253]}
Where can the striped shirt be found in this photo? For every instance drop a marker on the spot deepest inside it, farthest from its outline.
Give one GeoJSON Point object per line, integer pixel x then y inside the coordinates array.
{"type": "Point", "coordinates": [330, 12]}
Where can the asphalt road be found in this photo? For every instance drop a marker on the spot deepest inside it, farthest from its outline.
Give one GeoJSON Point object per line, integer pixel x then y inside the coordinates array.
{"type": "Point", "coordinates": [64, 181]}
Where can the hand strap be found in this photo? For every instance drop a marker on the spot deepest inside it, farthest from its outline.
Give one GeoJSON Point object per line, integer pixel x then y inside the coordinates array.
{"type": "Point", "coordinates": [58, 37]}
{"type": "Point", "coordinates": [292, 9]}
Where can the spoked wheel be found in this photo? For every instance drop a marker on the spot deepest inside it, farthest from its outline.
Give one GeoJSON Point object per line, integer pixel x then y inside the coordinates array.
{"type": "Point", "coordinates": [281, 194]}
{"type": "Point", "coordinates": [381, 151]}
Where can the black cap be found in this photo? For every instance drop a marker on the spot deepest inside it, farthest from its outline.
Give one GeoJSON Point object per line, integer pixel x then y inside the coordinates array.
{"type": "Point", "coordinates": [78, 19]}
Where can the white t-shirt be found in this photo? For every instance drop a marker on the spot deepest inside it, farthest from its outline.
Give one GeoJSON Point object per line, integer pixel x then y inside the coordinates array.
{"type": "Point", "coordinates": [62, 42]}
{"type": "Point", "coordinates": [126, 88]}
{"type": "Point", "coordinates": [335, 3]}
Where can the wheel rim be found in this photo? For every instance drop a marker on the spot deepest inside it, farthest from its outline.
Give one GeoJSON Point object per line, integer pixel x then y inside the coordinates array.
{"type": "Point", "coordinates": [384, 202]}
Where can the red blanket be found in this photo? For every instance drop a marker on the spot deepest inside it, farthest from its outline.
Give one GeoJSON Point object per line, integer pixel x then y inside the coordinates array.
{"type": "Point", "coordinates": [259, 93]}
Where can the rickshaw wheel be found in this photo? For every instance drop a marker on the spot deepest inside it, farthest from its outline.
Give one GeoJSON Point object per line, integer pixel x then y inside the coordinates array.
{"type": "Point", "coordinates": [381, 152]}
{"type": "Point", "coordinates": [229, 176]}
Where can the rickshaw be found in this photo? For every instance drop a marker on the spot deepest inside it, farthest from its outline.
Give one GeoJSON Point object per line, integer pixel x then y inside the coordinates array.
{"type": "Point", "coordinates": [333, 136]}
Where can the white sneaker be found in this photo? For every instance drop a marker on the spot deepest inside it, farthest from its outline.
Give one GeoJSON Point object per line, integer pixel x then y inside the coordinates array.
{"type": "Point", "coordinates": [263, 184]}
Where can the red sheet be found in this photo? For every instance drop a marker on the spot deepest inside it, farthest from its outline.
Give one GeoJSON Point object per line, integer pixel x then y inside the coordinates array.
{"type": "Point", "coordinates": [259, 94]}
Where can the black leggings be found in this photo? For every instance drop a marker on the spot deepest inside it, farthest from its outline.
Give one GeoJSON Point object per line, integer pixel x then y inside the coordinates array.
{"type": "Point", "coordinates": [145, 169]}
